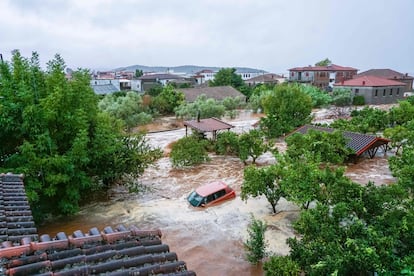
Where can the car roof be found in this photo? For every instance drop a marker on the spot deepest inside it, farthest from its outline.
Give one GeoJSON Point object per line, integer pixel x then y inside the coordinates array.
{"type": "Point", "coordinates": [210, 188]}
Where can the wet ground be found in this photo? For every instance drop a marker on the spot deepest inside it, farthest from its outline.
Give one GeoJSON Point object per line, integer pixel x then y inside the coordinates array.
{"type": "Point", "coordinates": [209, 240]}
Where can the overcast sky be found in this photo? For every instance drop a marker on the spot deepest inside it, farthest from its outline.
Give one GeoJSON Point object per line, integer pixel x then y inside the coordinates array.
{"type": "Point", "coordinates": [273, 35]}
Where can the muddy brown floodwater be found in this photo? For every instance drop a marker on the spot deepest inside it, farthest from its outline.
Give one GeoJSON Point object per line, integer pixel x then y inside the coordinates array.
{"type": "Point", "coordinates": [209, 240]}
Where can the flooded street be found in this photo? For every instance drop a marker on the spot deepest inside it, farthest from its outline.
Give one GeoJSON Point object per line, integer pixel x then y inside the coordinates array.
{"type": "Point", "coordinates": [209, 240]}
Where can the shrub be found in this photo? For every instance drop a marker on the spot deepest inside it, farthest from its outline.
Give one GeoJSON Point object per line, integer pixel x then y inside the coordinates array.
{"type": "Point", "coordinates": [255, 245]}
{"type": "Point", "coordinates": [358, 100]}
{"type": "Point", "coordinates": [227, 143]}
{"type": "Point", "coordinates": [281, 266]}
{"type": "Point", "coordinates": [189, 151]}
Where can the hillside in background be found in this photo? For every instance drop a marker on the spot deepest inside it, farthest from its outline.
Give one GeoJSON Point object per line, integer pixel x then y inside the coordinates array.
{"type": "Point", "coordinates": [188, 69]}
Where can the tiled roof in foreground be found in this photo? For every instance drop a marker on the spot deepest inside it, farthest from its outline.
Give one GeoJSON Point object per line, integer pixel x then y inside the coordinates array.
{"type": "Point", "coordinates": [119, 251]}
{"type": "Point", "coordinates": [16, 220]}
{"type": "Point", "coordinates": [358, 142]}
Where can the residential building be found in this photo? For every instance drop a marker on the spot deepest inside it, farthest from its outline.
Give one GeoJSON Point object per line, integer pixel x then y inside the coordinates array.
{"type": "Point", "coordinates": [390, 75]}
{"type": "Point", "coordinates": [204, 76]}
{"type": "Point", "coordinates": [268, 78]}
{"type": "Point", "coordinates": [375, 90]}
{"type": "Point", "coordinates": [323, 77]}
{"type": "Point", "coordinates": [245, 75]}
{"type": "Point", "coordinates": [150, 80]}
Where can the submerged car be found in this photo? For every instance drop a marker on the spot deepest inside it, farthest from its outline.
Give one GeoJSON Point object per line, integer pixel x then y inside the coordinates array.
{"type": "Point", "coordinates": [210, 194]}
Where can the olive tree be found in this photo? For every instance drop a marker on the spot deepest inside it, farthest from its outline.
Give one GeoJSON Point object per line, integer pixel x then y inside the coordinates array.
{"type": "Point", "coordinates": [286, 108]}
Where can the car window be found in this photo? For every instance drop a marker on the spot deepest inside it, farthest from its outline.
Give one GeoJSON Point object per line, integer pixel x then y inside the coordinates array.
{"type": "Point", "coordinates": [210, 198]}
{"type": "Point", "coordinates": [219, 194]}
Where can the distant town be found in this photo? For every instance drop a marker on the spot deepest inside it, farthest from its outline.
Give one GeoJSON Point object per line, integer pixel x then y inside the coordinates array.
{"type": "Point", "coordinates": [377, 86]}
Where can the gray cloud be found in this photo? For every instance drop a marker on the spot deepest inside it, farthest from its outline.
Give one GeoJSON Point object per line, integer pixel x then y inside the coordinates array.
{"type": "Point", "coordinates": [271, 35]}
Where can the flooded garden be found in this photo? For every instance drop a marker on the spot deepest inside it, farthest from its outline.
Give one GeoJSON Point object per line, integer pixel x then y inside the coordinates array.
{"type": "Point", "coordinates": [209, 240]}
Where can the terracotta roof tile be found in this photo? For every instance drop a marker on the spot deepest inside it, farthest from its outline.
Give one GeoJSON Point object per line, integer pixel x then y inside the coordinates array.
{"type": "Point", "coordinates": [384, 73]}
{"type": "Point", "coordinates": [16, 220]}
{"type": "Point", "coordinates": [119, 251]}
{"type": "Point", "coordinates": [370, 81]}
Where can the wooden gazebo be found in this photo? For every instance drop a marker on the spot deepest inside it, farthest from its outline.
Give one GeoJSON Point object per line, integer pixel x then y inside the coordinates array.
{"type": "Point", "coordinates": [203, 126]}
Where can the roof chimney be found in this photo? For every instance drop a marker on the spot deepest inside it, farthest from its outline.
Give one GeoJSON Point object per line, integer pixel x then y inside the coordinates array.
{"type": "Point", "coordinates": [363, 82]}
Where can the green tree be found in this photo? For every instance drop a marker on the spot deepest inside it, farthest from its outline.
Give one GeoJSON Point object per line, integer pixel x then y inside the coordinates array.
{"type": "Point", "coordinates": [366, 120]}
{"type": "Point", "coordinates": [138, 73]}
{"type": "Point", "coordinates": [189, 151]}
{"type": "Point", "coordinates": [206, 107]}
{"type": "Point", "coordinates": [324, 62]}
{"type": "Point", "coordinates": [319, 97]}
{"type": "Point", "coordinates": [128, 108]}
{"type": "Point", "coordinates": [228, 76]}
{"type": "Point", "coordinates": [321, 146]}
{"type": "Point", "coordinates": [167, 100]}
{"type": "Point", "coordinates": [299, 180]}
{"type": "Point", "coordinates": [403, 113]}
{"type": "Point", "coordinates": [281, 266]}
{"type": "Point", "coordinates": [255, 245]}
{"type": "Point", "coordinates": [342, 97]}
{"type": "Point", "coordinates": [286, 108]}
{"type": "Point", "coordinates": [262, 181]}
{"type": "Point", "coordinates": [227, 143]}
{"type": "Point", "coordinates": [53, 132]}
{"type": "Point", "coordinates": [399, 136]}
{"type": "Point", "coordinates": [252, 144]}
{"type": "Point", "coordinates": [356, 237]}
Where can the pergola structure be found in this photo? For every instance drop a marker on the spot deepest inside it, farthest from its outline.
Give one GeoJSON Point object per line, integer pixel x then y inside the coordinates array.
{"type": "Point", "coordinates": [358, 142]}
{"type": "Point", "coordinates": [212, 125]}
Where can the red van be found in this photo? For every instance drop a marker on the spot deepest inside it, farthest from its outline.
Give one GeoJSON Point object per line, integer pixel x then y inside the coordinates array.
{"type": "Point", "coordinates": [210, 194]}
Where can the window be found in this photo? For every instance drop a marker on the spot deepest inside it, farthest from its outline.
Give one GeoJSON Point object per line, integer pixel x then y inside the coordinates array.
{"type": "Point", "coordinates": [391, 92]}
{"type": "Point", "coordinates": [307, 74]}
{"type": "Point", "coordinates": [293, 73]}
{"type": "Point", "coordinates": [356, 91]}
{"type": "Point", "coordinates": [376, 92]}
{"type": "Point", "coordinates": [398, 91]}
{"type": "Point", "coordinates": [383, 93]}
{"type": "Point", "coordinates": [219, 194]}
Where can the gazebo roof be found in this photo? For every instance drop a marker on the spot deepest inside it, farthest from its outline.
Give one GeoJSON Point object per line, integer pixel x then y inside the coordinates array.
{"type": "Point", "coordinates": [208, 125]}
{"type": "Point", "coordinates": [358, 142]}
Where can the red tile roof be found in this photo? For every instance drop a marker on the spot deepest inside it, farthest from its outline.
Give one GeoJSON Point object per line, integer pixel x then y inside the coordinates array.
{"type": "Point", "coordinates": [385, 73]}
{"type": "Point", "coordinates": [208, 125]}
{"type": "Point", "coordinates": [16, 220]}
{"type": "Point", "coordinates": [120, 251]}
{"type": "Point", "coordinates": [370, 81]}
{"type": "Point", "coordinates": [332, 67]}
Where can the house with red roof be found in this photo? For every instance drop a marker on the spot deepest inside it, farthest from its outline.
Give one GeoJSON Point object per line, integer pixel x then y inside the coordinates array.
{"type": "Point", "coordinates": [390, 75]}
{"type": "Point", "coordinates": [322, 76]}
{"type": "Point", "coordinates": [375, 90]}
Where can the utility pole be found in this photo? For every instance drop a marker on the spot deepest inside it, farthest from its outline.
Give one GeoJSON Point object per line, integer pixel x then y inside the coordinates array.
{"type": "Point", "coordinates": [1, 57]}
